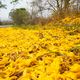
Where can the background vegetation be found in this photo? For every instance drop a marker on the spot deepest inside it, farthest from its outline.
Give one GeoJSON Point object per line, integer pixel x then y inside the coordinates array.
{"type": "Point", "coordinates": [39, 47]}
{"type": "Point", "coordinates": [61, 12]}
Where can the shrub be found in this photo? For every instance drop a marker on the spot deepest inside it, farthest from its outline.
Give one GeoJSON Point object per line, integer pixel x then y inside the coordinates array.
{"type": "Point", "coordinates": [20, 16]}
{"type": "Point", "coordinates": [75, 22]}
{"type": "Point", "coordinates": [71, 21]}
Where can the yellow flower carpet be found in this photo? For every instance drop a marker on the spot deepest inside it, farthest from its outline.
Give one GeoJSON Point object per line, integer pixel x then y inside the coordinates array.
{"type": "Point", "coordinates": [39, 54]}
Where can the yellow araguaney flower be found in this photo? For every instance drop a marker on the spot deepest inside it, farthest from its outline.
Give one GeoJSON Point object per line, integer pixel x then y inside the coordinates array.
{"type": "Point", "coordinates": [39, 54]}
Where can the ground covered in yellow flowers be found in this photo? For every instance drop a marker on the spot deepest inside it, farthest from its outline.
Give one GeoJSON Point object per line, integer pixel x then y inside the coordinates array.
{"type": "Point", "coordinates": [39, 54]}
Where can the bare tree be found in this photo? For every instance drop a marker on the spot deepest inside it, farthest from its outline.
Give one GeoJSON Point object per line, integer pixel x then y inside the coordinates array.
{"type": "Point", "coordinates": [38, 6]}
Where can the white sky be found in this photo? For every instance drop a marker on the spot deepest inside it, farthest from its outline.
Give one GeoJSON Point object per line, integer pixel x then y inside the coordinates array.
{"type": "Point", "coordinates": [4, 13]}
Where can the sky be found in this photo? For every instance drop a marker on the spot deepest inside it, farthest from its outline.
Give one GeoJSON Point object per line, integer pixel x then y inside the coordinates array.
{"type": "Point", "coordinates": [4, 13]}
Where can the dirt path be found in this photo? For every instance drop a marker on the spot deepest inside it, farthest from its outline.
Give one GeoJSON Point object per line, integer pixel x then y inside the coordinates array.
{"type": "Point", "coordinates": [4, 26]}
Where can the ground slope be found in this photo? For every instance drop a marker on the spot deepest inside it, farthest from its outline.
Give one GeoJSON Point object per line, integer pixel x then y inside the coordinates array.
{"type": "Point", "coordinates": [39, 54]}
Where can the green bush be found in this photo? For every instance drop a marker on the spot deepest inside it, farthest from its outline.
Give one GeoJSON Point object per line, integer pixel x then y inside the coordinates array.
{"type": "Point", "coordinates": [20, 16]}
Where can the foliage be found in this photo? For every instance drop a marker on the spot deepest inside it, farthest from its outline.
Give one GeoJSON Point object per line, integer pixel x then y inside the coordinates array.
{"type": "Point", "coordinates": [2, 5]}
{"type": "Point", "coordinates": [14, 1]}
{"type": "Point", "coordinates": [75, 22]}
{"type": "Point", "coordinates": [71, 21]}
{"type": "Point", "coordinates": [20, 16]}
